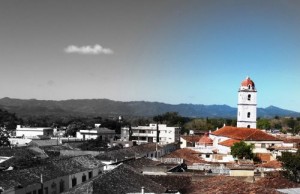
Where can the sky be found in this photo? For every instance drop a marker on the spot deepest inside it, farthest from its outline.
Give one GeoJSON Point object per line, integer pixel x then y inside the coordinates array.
{"type": "Point", "coordinates": [171, 51]}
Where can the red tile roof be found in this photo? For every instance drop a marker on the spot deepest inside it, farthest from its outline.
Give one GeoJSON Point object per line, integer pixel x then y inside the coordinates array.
{"type": "Point", "coordinates": [272, 164]}
{"type": "Point", "coordinates": [246, 134]}
{"type": "Point", "coordinates": [291, 140]}
{"type": "Point", "coordinates": [205, 139]}
{"type": "Point", "coordinates": [189, 156]}
{"type": "Point", "coordinates": [276, 180]}
{"type": "Point", "coordinates": [191, 138]}
{"type": "Point", "coordinates": [264, 157]}
{"type": "Point", "coordinates": [229, 142]}
{"type": "Point", "coordinates": [227, 185]}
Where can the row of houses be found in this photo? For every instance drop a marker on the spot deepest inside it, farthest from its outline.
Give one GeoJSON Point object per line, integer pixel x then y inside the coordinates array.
{"type": "Point", "coordinates": [138, 135]}
{"type": "Point", "coordinates": [55, 176]}
{"type": "Point", "coordinates": [73, 168]}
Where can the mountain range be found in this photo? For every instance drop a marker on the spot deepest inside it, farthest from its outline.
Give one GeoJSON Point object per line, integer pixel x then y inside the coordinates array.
{"type": "Point", "coordinates": [105, 107]}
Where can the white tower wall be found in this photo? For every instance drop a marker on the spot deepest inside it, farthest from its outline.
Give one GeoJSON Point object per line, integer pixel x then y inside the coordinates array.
{"type": "Point", "coordinates": [247, 103]}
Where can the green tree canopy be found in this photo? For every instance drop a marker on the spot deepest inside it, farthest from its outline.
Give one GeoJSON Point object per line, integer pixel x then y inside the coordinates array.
{"type": "Point", "coordinates": [263, 124]}
{"type": "Point", "coordinates": [4, 135]}
{"type": "Point", "coordinates": [242, 150]}
{"type": "Point", "coordinates": [291, 164]}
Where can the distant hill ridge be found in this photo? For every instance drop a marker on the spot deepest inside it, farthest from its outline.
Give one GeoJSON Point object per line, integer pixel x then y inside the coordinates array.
{"type": "Point", "coordinates": [99, 107]}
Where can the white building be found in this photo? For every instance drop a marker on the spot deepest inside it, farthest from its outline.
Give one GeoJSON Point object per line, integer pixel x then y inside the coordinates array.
{"type": "Point", "coordinates": [246, 115]}
{"type": "Point", "coordinates": [102, 133]}
{"type": "Point", "coordinates": [148, 134]}
{"type": "Point", "coordinates": [33, 132]}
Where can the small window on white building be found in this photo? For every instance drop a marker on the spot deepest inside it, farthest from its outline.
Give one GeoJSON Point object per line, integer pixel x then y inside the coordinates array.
{"type": "Point", "coordinates": [249, 97]}
{"type": "Point", "coordinates": [248, 126]}
{"type": "Point", "coordinates": [248, 115]}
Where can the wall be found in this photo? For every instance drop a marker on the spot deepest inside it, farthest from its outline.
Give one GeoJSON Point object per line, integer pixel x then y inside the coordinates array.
{"type": "Point", "coordinates": [241, 172]}
{"type": "Point", "coordinates": [245, 106]}
{"type": "Point", "coordinates": [19, 141]}
{"type": "Point", "coordinates": [78, 153]}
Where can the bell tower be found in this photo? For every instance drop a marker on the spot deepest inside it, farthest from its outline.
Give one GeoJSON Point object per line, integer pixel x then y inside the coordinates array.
{"type": "Point", "coordinates": [246, 115]}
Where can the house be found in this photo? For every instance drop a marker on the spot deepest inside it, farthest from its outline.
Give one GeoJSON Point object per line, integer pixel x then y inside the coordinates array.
{"type": "Point", "coordinates": [189, 140]}
{"type": "Point", "coordinates": [225, 137]}
{"type": "Point", "coordinates": [243, 168]}
{"type": "Point", "coordinates": [33, 132]}
{"type": "Point", "coordinates": [98, 132]}
{"type": "Point", "coordinates": [121, 180]}
{"type": "Point", "coordinates": [189, 156]}
{"type": "Point", "coordinates": [150, 150]}
{"type": "Point", "coordinates": [55, 176]}
{"type": "Point", "coordinates": [148, 134]}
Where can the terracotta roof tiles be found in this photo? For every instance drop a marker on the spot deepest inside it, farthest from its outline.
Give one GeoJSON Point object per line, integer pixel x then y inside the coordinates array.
{"type": "Point", "coordinates": [229, 142]}
{"type": "Point", "coordinates": [189, 156]}
{"type": "Point", "coordinates": [272, 164]}
{"type": "Point", "coordinates": [246, 134]}
{"type": "Point", "coordinates": [227, 185]}
{"type": "Point", "coordinates": [191, 138]}
{"type": "Point", "coordinates": [205, 139]}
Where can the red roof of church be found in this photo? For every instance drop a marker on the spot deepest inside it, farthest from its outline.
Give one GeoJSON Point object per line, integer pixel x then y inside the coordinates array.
{"type": "Point", "coordinates": [248, 82]}
{"type": "Point", "coordinates": [229, 142]}
{"type": "Point", "coordinates": [205, 139]}
{"type": "Point", "coordinates": [246, 134]}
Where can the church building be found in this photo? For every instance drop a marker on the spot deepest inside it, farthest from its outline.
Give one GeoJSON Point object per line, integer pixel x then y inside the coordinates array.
{"type": "Point", "coordinates": [246, 114]}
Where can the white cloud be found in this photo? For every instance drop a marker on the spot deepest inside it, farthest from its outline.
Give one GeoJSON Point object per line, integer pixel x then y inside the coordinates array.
{"type": "Point", "coordinates": [89, 50]}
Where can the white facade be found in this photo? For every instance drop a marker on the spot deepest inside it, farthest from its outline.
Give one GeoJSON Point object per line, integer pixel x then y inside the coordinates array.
{"type": "Point", "coordinates": [247, 102]}
{"type": "Point", "coordinates": [102, 133]}
{"type": "Point", "coordinates": [148, 134]}
{"type": "Point", "coordinates": [33, 132]}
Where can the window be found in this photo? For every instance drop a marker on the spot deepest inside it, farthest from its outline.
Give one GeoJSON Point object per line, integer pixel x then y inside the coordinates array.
{"type": "Point", "coordinates": [83, 178]}
{"type": "Point", "coordinates": [46, 190]}
{"type": "Point", "coordinates": [90, 174]}
{"type": "Point", "coordinates": [263, 145]}
{"type": "Point", "coordinates": [74, 181]}
{"type": "Point", "coordinates": [248, 114]}
{"type": "Point", "coordinates": [249, 96]}
{"type": "Point", "coordinates": [53, 188]}
{"type": "Point", "coordinates": [207, 156]}
{"type": "Point", "coordinates": [61, 186]}
{"type": "Point", "coordinates": [248, 126]}
{"type": "Point", "coordinates": [249, 86]}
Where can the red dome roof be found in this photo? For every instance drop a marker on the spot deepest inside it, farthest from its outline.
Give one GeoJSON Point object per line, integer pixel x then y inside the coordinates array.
{"type": "Point", "coordinates": [248, 82]}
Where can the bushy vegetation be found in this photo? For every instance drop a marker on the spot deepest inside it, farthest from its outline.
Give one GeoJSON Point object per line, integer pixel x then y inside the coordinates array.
{"type": "Point", "coordinates": [291, 164]}
{"type": "Point", "coordinates": [242, 150]}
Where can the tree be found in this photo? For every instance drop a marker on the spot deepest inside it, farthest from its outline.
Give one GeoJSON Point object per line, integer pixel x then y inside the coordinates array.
{"type": "Point", "coordinates": [4, 135]}
{"type": "Point", "coordinates": [291, 165]}
{"type": "Point", "coordinates": [242, 150]}
{"type": "Point", "coordinates": [263, 124]}
{"type": "Point", "coordinates": [74, 127]}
